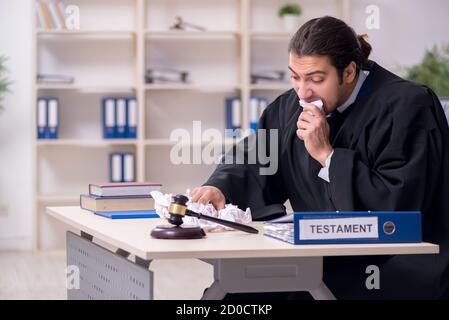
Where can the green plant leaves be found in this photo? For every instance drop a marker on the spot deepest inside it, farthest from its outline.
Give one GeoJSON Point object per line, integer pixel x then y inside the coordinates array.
{"type": "Point", "coordinates": [4, 84]}
{"type": "Point", "coordinates": [290, 8]}
{"type": "Point", "coordinates": [433, 71]}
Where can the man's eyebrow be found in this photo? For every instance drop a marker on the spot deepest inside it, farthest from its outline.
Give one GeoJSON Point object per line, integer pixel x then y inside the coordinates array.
{"type": "Point", "coordinates": [292, 70]}
{"type": "Point", "coordinates": [316, 72]}
{"type": "Point", "coordinates": [309, 73]}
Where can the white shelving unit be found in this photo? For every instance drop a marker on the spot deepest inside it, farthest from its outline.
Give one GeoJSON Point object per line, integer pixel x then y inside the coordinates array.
{"type": "Point", "coordinates": [108, 55]}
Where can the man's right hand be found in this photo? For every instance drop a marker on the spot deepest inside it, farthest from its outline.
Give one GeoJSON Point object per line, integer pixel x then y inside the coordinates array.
{"type": "Point", "coordinates": [208, 194]}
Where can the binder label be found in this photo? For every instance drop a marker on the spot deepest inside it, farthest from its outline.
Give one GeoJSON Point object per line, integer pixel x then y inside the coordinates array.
{"type": "Point", "coordinates": [339, 228]}
{"type": "Point", "coordinates": [116, 167]}
{"type": "Point", "coordinates": [132, 113]}
{"type": "Point", "coordinates": [41, 113]}
{"type": "Point", "coordinates": [52, 113]}
{"type": "Point", "coordinates": [110, 113]}
{"type": "Point", "coordinates": [121, 113]}
{"type": "Point", "coordinates": [236, 113]}
{"type": "Point", "coordinates": [128, 162]}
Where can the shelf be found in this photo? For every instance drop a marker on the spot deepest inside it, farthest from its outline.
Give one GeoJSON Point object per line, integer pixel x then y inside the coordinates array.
{"type": "Point", "coordinates": [195, 87]}
{"type": "Point", "coordinates": [97, 34]}
{"type": "Point", "coordinates": [87, 88]}
{"type": "Point", "coordinates": [85, 142]}
{"type": "Point", "coordinates": [120, 40]}
{"type": "Point", "coordinates": [168, 142]}
{"type": "Point", "coordinates": [266, 35]}
{"type": "Point", "coordinates": [271, 86]}
{"type": "Point", "coordinates": [191, 35]}
{"type": "Point", "coordinates": [58, 198]}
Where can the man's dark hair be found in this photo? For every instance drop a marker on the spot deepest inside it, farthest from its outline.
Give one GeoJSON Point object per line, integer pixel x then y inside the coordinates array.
{"type": "Point", "coordinates": [329, 36]}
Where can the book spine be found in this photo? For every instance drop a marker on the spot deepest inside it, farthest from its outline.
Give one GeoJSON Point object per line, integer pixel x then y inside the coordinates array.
{"type": "Point", "coordinates": [54, 15]}
{"type": "Point", "coordinates": [46, 14]}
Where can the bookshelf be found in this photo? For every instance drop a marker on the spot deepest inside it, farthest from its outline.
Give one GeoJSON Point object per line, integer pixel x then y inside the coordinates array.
{"type": "Point", "coordinates": [108, 55]}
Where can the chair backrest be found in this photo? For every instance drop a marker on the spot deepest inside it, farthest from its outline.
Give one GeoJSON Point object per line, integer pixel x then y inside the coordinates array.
{"type": "Point", "coordinates": [445, 104]}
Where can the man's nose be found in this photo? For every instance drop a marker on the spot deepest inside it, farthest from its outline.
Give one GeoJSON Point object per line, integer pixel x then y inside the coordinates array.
{"type": "Point", "coordinates": [304, 93]}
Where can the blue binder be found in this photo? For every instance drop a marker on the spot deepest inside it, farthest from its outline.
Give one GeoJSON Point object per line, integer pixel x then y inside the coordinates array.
{"type": "Point", "coordinates": [120, 111]}
{"type": "Point", "coordinates": [41, 118]}
{"type": "Point", "coordinates": [109, 118]}
{"type": "Point", "coordinates": [347, 227]}
{"type": "Point", "coordinates": [234, 116]}
{"type": "Point", "coordinates": [122, 167]}
{"type": "Point", "coordinates": [128, 167]}
{"type": "Point", "coordinates": [256, 107]}
{"type": "Point", "coordinates": [116, 167]}
{"type": "Point", "coordinates": [131, 118]}
{"type": "Point", "coordinates": [52, 117]}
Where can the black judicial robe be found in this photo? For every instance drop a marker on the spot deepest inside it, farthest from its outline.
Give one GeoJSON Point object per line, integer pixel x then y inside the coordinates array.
{"type": "Point", "coordinates": [391, 152]}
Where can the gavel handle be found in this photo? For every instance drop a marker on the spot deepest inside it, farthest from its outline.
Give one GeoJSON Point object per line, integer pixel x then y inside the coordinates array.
{"type": "Point", "coordinates": [227, 223]}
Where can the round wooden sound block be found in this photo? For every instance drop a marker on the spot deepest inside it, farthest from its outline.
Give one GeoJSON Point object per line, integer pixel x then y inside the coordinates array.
{"type": "Point", "coordinates": [177, 232]}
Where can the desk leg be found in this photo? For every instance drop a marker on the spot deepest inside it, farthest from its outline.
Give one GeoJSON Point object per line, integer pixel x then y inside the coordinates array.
{"type": "Point", "coordinates": [214, 292]}
{"type": "Point", "coordinates": [322, 293]}
{"type": "Point", "coordinates": [103, 274]}
{"type": "Point", "coordinates": [289, 274]}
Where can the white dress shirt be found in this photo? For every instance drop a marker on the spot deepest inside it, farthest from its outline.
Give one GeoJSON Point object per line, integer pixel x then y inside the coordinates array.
{"type": "Point", "coordinates": [324, 172]}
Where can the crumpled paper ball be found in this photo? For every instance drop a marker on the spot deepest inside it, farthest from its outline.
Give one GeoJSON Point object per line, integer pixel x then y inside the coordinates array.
{"type": "Point", "coordinates": [230, 212]}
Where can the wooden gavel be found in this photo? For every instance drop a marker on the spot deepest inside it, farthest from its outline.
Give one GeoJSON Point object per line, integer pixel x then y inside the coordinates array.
{"type": "Point", "coordinates": [178, 209]}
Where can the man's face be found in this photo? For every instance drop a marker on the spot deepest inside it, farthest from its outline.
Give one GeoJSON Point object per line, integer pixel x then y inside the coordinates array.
{"type": "Point", "coordinates": [314, 78]}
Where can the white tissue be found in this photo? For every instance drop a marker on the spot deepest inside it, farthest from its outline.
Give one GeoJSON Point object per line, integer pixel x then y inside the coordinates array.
{"type": "Point", "coordinates": [317, 103]}
{"type": "Point", "coordinates": [230, 212]}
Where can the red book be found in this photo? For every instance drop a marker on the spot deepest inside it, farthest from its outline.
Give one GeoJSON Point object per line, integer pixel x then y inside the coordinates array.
{"type": "Point", "coordinates": [123, 189]}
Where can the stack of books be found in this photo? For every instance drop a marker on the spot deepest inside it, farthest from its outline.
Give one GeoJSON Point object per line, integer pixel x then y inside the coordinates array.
{"type": "Point", "coordinates": [166, 75]}
{"type": "Point", "coordinates": [268, 76]}
{"type": "Point", "coordinates": [51, 14]}
{"type": "Point", "coordinates": [121, 200]}
{"type": "Point", "coordinates": [46, 78]}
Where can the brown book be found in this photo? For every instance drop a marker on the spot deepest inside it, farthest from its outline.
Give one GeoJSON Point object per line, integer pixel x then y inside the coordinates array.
{"type": "Point", "coordinates": [47, 16]}
{"type": "Point", "coordinates": [59, 10]}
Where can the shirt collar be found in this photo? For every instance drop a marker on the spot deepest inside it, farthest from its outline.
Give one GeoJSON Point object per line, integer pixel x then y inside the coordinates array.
{"type": "Point", "coordinates": [362, 76]}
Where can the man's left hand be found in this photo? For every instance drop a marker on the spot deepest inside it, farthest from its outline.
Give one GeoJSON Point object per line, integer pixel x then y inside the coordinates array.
{"type": "Point", "coordinates": [313, 129]}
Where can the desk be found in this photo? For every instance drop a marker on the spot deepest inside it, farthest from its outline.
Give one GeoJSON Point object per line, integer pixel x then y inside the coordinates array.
{"type": "Point", "coordinates": [242, 262]}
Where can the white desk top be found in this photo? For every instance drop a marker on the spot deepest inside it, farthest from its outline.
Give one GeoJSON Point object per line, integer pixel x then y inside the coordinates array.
{"type": "Point", "coordinates": [133, 235]}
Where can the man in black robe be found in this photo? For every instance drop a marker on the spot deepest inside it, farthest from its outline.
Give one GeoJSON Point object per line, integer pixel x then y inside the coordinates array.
{"type": "Point", "coordinates": [380, 143]}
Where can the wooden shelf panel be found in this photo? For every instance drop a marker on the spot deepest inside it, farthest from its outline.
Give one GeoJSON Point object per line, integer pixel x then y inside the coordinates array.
{"type": "Point", "coordinates": [86, 33]}
{"type": "Point", "coordinates": [86, 142]}
{"type": "Point", "coordinates": [168, 142]}
{"type": "Point", "coordinates": [87, 88]}
{"type": "Point", "coordinates": [193, 87]}
{"type": "Point", "coordinates": [191, 35]}
{"type": "Point", "coordinates": [271, 86]}
{"type": "Point", "coordinates": [262, 35]}
{"type": "Point", "coordinates": [57, 198]}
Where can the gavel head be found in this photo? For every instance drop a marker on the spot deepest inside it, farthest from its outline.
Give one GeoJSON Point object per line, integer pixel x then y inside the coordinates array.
{"type": "Point", "coordinates": [177, 209]}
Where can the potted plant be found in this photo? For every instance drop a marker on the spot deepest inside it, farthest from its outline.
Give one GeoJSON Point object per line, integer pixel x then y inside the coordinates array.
{"type": "Point", "coordinates": [290, 13]}
{"type": "Point", "coordinates": [433, 71]}
{"type": "Point", "coordinates": [4, 84]}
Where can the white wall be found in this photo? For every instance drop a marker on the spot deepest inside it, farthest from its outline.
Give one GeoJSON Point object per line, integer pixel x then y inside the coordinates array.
{"type": "Point", "coordinates": [15, 127]}
{"type": "Point", "coordinates": [407, 27]}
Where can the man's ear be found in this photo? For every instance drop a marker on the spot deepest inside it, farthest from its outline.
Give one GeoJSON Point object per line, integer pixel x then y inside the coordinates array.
{"type": "Point", "coordinates": [349, 73]}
